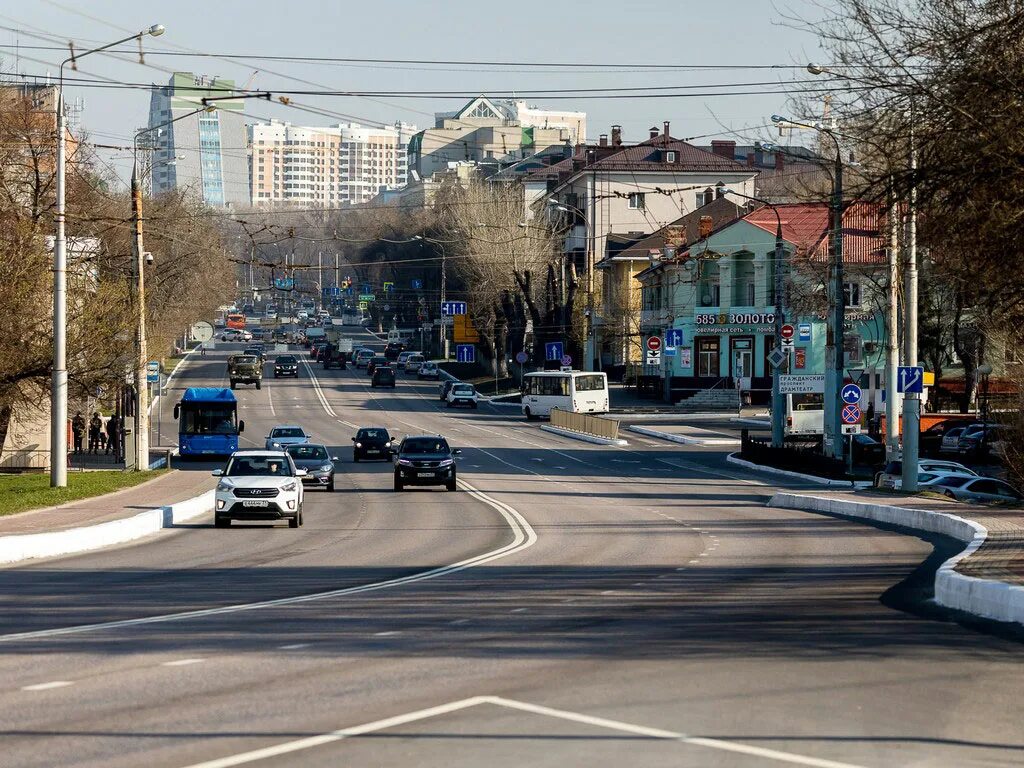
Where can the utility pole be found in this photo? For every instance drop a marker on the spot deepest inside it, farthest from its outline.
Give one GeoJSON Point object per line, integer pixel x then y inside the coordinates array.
{"type": "Point", "coordinates": [911, 400]}
{"type": "Point", "coordinates": [444, 288]}
{"type": "Point", "coordinates": [141, 392]}
{"type": "Point", "coordinates": [778, 399]}
{"type": "Point", "coordinates": [59, 376]}
{"type": "Point", "coordinates": [834, 368]}
{"type": "Point", "coordinates": [892, 355]}
{"type": "Point", "coordinates": [337, 271]}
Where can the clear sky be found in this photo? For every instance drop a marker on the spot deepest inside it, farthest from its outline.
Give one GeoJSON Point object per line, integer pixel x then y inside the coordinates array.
{"type": "Point", "coordinates": [605, 32]}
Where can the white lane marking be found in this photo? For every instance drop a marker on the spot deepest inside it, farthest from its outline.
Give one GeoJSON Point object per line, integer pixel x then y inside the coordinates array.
{"type": "Point", "coordinates": [608, 592]}
{"type": "Point", "coordinates": [385, 634]}
{"type": "Point", "coordinates": [459, 621]}
{"type": "Point", "coordinates": [293, 646]}
{"type": "Point", "coordinates": [347, 423]}
{"type": "Point", "coordinates": [270, 397]}
{"type": "Point", "coordinates": [318, 390]}
{"type": "Point", "coordinates": [523, 537]}
{"type": "Point", "coordinates": [47, 686]}
{"type": "Point", "coordinates": [182, 662]}
{"type": "Point", "coordinates": [309, 742]}
{"type": "Point", "coordinates": [518, 610]}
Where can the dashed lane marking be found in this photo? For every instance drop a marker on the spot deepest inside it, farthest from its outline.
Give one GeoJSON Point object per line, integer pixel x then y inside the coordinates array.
{"type": "Point", "coordinates": [182, 662]}
{"type": "Point", "coordinates": [48, 686]}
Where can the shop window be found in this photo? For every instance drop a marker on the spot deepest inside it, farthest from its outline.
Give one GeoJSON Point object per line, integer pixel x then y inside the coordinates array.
{"type": "Point", "coordinates": [851, 294]}
{"type": "Point", "coordinates": [707, 357]}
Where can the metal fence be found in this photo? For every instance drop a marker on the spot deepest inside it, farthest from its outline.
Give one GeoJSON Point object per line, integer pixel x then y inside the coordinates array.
{"type": "Point", "coordinates": [585, 424]}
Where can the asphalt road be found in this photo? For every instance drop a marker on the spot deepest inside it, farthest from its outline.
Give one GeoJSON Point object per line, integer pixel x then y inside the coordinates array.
{"type": "Point", "coordinates": [572, 605]}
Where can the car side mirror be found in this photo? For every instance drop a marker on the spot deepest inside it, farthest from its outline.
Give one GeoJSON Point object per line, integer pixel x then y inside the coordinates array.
{"type": "Point", "coordinates": [301, 473]}
{"type": "Point", "coordinates": [241, 426]}
{"type": "Point", "coordinates": [217, 473]}
{"type": "Point", "coordinates": [335, 458]}
{"type": "Point", "coordinates": [353, 439]}
{"type": "Point", "coordinates": [457, 452]}
{"type": "Point", "coordinates": [177, 410]}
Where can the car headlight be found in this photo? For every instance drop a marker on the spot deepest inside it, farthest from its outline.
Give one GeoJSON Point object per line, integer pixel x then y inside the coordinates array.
{"type": "Point", "coordinates": [446, 462]}
{"type": "Point", "coordinates": [288, 486]}
{"type": "Point", "coordinates": [326, 467]}
{"type": "Point", "coordinates": [276, 445]}
{"type": "Point", "coordinates": [225, 485]}
{"type": "Point", "coordinates": [405, 462]}
{"type": "Point", "coordinates": [359, 445]}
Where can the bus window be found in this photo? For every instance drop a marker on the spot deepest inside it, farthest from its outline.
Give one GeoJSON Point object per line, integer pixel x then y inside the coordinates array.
{"type": "Point", "coordinates": [589, 383]}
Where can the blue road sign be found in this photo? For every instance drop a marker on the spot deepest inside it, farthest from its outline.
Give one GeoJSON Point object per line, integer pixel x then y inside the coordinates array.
{"type": "Point", "coordinates": [152, 377]}
{"type": "Point", "coordinates": [553, 350]}
{"type": "Point", "coordinates": [851, 414]}
{"type": "Point", "coordinates": [284, 283]}
{"type": "Point", "coordinates": [673, 337]}
{"type": "Point", "coordinates": [670, 351]}
{"type": "Point", "coordinates": [851, 394]}
{"type": "Point", "coordinates": [804, 332]}
{"type": "Point", "coordinates": [911, 379]}
{"type": "Point", "coordinates": [566, 360]}
{"type": "Point", "coordinates": [449, 308]}
{"type": "Point", "coordinates": [465, 353]}
{"type": "Point", "coordinates": [522, 357]}
{"type": "Point", "coordinates": [417, 285]}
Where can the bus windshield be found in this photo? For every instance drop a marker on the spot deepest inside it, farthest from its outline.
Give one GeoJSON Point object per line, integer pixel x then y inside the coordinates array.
{"type": "Point", "coordinates": [589, 383]}
{"type": "Point", "coordinates": [212, 419]}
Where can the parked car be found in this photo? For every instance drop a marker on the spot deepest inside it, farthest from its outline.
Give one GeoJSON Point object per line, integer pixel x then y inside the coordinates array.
{"type": "Point", "coordinates": [317, 462]}
{"type": "Point", "coordinates": [951, 439]}
{"type": "Point", "coordinates": [931, 440]}
{"type": "Point", "coordinates": [428, 370]}
{"type": "Point", "coordinates": [965, 488]}
{"type": "Point", "coordinates": [892, 475]}
{"type": "Point", "coordinates": [425, 460]}
{"type": "Point", "coordinates": [286, 365]}
{"type": "Point", "coordinates": [371, 443]}
{"type": "Point", "coordinates": [363, 357]}
{"type": "Point", "coordinates": [462, 394]}
{"type": "Point", "coordinates": [979, 443]}
{"type": "Point", "coordinates": [258, 485]}
{"type": "Point", "coordinates": [867, 450]}
{"type": "Point", "coordinates": [282, 436]}
{"type": "Point", "coordinates": [374, 363]}
{"type": "Point", "coordinates": [383, 376]}
{"type": "Point", "coordinates": [413, 363]}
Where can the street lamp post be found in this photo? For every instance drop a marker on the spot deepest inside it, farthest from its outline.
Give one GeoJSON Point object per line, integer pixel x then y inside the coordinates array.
{"type": "Point", "coordinates": [59, 374]}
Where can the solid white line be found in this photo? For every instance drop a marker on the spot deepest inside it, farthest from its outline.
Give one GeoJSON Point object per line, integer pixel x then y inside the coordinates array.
{"type": "Point", "coordinates": [270, 397]}
{"type": "Point", "coordinates": [523, 537]}
{"type": "Point", "coordinates": [318, 390]}
{"type": "Point", "coordinates": [47, 686]}
{"type": "Point", "coordinates": [182, 662]}
{"type": "Point", "coordinates": [293, 646]}
{"type": "Point", "coordinates": [385, 634]}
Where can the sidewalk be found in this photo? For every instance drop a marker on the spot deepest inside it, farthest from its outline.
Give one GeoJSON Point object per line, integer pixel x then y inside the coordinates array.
{"type": "Point", "coordinates": [175, 486]}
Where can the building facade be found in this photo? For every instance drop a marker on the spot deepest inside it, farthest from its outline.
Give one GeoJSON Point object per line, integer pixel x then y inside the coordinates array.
{"type": "Point", "coordinates": [204, 152]}
{"type": "Point", "coordinates": [346, 164]}
{"type": "Point", "coordinates": [492, 132]}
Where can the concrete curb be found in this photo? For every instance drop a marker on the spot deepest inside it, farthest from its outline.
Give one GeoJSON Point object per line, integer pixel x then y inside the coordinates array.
{"type": "Point", "coordinates": [580, 436]}
{"type": "Point", "coordinates": [733, 458]}
{"type": "Point", "coordinates": [30, 546]}
{"type": "Point", "coordinates": [750, 422]}
{"type": "Point", "coordinates": [685, 439]}
{"type": "Point", "coordinates": [987, 598]}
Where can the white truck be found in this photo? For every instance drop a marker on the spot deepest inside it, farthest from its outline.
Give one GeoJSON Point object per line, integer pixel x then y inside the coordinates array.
{"type": "Point", "coordinates": [805, 414]}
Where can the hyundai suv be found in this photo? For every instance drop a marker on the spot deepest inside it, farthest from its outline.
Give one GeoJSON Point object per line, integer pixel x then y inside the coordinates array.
{"type": "Point", "coordinates": [258, 485]}
{"type": "Point", "coordinates": [425, 460]}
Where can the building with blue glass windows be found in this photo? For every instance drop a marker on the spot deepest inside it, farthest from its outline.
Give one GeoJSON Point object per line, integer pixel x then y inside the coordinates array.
{"type": "Point", "coordinates": [206, 152]}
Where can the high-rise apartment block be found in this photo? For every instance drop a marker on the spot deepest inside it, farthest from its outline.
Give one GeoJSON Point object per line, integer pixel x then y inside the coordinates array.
{"type": "Point", "coordinates": [205, 151]}
{"type": "Point", "coordinates": [346, 164]}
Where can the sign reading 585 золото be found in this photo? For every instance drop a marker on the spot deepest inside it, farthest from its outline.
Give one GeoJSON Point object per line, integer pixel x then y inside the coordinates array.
{"type": "Point", "coordinates": [734, 318]}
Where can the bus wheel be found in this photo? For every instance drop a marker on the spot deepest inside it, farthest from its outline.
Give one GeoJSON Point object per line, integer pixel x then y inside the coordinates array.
{"type": "Point", "coordinates": [529, 415]}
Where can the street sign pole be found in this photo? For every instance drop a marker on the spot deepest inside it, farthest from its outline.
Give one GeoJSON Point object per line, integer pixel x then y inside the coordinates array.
{"type": "Point", "coordinates": [778, 400]}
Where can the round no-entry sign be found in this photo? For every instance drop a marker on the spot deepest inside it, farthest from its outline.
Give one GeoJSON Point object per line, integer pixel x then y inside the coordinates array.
{"type": "Point", "coordinates": [787, 331]}
{"type": "Point", "coordinates": [654, 343]}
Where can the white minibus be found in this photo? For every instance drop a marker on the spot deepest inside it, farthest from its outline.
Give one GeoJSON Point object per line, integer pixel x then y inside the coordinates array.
{"type": "Point", "coordinates": [575, 391]}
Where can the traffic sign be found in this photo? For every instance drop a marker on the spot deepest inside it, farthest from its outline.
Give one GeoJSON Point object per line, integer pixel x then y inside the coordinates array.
{"type": "Point", "coordinates": [788, 343]}
{"type": "Point", "coordinates": [387, 307]}
{"type": "Point", "coordinates": [417, 285]}
{"type": "Point", "coordinates": [804, 329]}
{"type": "Point", "coordinates": [777, 357]}
{"type": "Point", "coordinates": [465, 353]}
{"type": "Point", "coordinates": [673, 337]}
{"type": "Point", "coordinates": [851, 414]}
{"type": "Point", "coordinates": [670, 351]}
{"type": "Point", "coordinates": [654, 343]}
{"type": "Point", "coordinates": [449, 308]}
{"type": "Point", "coordinates": [554, 350]}
{"type": "Point", "coordinates": [153, 365]}
{"type": "Point", "coordinates": [522, 357]}
{"type": "Point", "coordinates": [911, 379]}
{"type": "Point", "coordinates": [566, 360]}
{"type": "Point", "coordinates": [851, 429]}
{"type": "Point", "coordinates": [850, 394]}
{"type": "Point", "coordinates": [802, 384]}
{"type": "Point", "coordinates": [654, 355]}
{"type": "Point", "coordinates": [367, 297]}
{"type": "Point", "coordinates": [787, 331]}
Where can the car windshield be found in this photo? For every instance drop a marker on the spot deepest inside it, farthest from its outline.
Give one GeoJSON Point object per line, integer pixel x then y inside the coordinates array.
{"type": "Point", "coordinates": [288, 432]}
{"type": "Point", "coordinates": [244, 359]}
{"type": "Point", "coordinates": [384, 372]}
{"type": "Point", "coordinates": [372, 434]}
{"type": "Point", "coordinates": [257, 466]}
{"type": "Point", "coordinates": [286, 360]}
{"type": "Point", "coordinates": [307, 452]}
{"type": "Point", "coordinates": [425, 445]}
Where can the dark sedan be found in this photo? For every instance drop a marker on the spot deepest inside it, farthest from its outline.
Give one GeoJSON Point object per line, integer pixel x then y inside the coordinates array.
{"type": "Point", "coordinates": [317, 462]}
{"type": "Point", "coordinates": [286, 365]}
{"type": "Point", "coordinates": [371, 443]}
{"type": "Point", "coordinates": [375, 362]}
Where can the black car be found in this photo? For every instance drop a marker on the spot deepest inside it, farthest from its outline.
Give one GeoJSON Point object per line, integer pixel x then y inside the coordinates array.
{"type": "Point", "coordinates": [867, 451]}
{"type": "Point", "coordinates": [383, 376]}
{"type": "Point", "coordinates": [371, 443]}
{"type": "Point", "coordinates": [332, 357]}
{"type": "Point", "coordinates": [446, 387]}
{"type": "Point", "coordinates": [930, 441]}
{"type": "Point", "coordinates": [286, 365]}
{"type": "Point", "coordinates": [425, 460]}
{"type": "Point", "coordinates": [317, 462]}
{"type": "Point", "coordinates": [375, 361]}
{"type": "Point", "coordinates": [393, 350]}
{"type": "Point", "coordinates": [258, 351]}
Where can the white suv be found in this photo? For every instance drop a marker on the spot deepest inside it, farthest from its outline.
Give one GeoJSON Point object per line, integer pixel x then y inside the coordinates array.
{"type": "Point", "coordinates": [462, 394]}
{"type": "Point", "coordinates": [259, 485]}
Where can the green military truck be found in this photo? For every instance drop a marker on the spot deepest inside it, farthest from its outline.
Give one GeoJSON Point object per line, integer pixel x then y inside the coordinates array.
{"type": "Point", "coordinates": [245, 369]}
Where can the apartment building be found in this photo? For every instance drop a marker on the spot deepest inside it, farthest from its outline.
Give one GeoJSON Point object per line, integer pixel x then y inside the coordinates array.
{"type": "Point", "coordinates": [345, 164]}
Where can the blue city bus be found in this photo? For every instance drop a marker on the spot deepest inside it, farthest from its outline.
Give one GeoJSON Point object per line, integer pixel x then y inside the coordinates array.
{"type": "Point", "coordinates": [207, 422]}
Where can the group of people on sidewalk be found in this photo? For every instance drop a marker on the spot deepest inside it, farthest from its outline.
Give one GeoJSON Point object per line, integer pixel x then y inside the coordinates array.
{"type": "Point", "coordinates": [104, 437]}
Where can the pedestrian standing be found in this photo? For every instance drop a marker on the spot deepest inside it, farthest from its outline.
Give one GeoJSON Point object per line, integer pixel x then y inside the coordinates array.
{"type": "Point", "coordinates": [78, 430]}
{"type": "Point", "coordinates": [114, 435]}
{"type": "Point", "coordinates": [95, 427]}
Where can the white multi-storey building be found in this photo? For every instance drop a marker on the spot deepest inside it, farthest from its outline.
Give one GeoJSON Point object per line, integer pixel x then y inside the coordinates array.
{"type": "Point", "coordinates": [346, 164]}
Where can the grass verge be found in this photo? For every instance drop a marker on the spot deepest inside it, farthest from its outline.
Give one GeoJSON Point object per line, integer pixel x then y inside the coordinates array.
{"type": "Point", "coordinates": [20, 493]}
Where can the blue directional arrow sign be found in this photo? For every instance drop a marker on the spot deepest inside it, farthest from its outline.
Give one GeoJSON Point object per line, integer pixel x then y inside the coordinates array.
{"type": "Point", "coordinates": [911, 379]}
{"type": "Point", "coordinates": [465, 353]}
{"type": "Point", "coordinates": [674, 337]}
{"type": "Point", "coordinates": [553, 350]}
{"type": "Point", "coordinates": [449, 308]}
{"type": "Point", "coordinates": [851, 394]}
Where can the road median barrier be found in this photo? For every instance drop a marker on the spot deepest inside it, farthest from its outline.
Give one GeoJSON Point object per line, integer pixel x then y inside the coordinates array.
{"type": "Point", "coordinates": [584, 426]}
{"type": "Point", "coordinates": [987, 598]}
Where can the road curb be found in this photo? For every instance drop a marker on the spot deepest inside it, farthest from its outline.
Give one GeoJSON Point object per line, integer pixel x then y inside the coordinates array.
{"type": "Point", "coordinates": [31, 546]}
{"type": "Point", "coordinates": [580, 436]}
{"type": "Point", "coordinates": [733, 458]}
{"type": "Point", "coordinates": [685, 439]}
{"type": "Point", "coordinates": [986, 598]}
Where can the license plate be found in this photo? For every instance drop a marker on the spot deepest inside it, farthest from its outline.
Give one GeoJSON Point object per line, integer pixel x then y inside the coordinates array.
{"type": "Point", "coordinates": [424, 474]}
{"type": "Point", "coordinates": [255, 503]}
{"type": "Point", "coordinates": [372, 450]}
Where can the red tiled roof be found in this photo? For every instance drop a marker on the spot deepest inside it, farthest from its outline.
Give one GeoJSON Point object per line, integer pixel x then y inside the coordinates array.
{"type": "Point", "coordinates": [808, 225]}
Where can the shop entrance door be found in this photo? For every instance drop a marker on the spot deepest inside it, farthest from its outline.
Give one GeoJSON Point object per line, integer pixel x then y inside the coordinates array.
{"type": "Point", "coordinates": [742, 362]}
